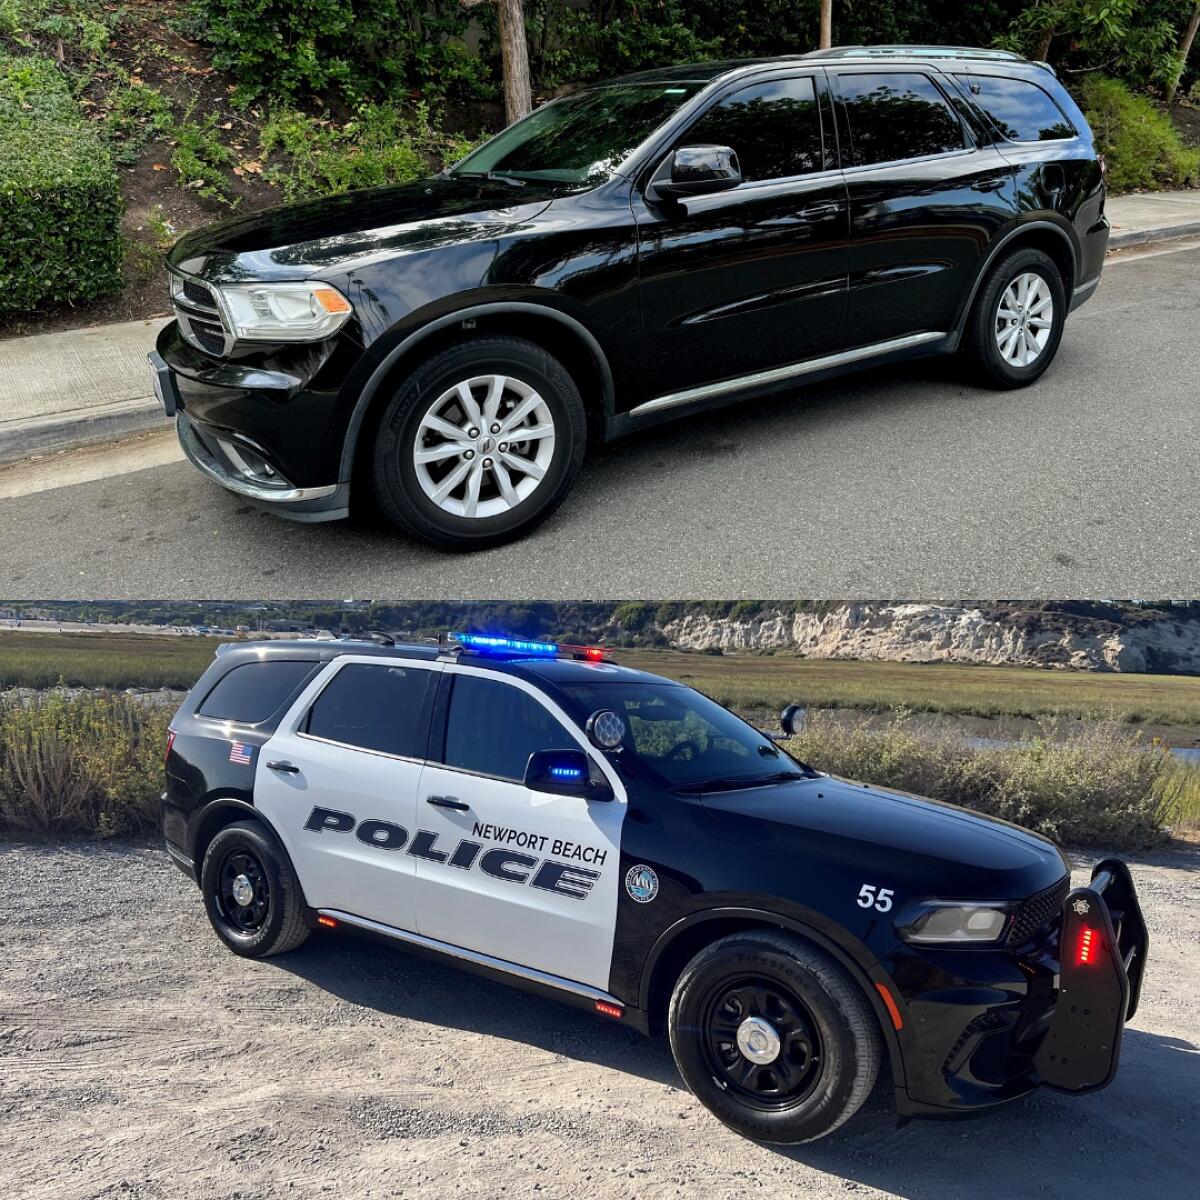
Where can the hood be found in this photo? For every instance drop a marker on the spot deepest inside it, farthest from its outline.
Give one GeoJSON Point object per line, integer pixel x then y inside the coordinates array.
{"type": "Point", "coordinates": [927, 846]}
{"type": "Point", "coordinates": [298, 241]}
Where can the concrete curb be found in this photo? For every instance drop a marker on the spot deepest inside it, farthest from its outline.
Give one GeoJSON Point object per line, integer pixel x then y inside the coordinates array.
{"type": "Point", "coordinates": [87, 427]}
{"type": "Point", "coordinates": [1143, 237]}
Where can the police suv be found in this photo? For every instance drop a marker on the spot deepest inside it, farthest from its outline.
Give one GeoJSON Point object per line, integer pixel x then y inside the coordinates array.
{"type": "Point", "coordinates": [543, 815]}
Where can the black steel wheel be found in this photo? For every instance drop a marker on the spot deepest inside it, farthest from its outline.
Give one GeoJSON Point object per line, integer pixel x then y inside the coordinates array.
{"type": "Point", "coordinates": [243, 893]}
{"type": "Point", "coordinates": [251, 893]}
{"type": "Point", "coordinates": [773, 1036]}
{"type": "Point", "coordinates": [762, 1041]}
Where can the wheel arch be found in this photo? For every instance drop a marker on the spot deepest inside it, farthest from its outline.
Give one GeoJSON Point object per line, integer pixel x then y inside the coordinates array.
{"type": "Point", "coordinates": [677, 945]}
{"type": "Point", "coordinates": [1038, 234]}
{"type": "Point", "coordinates": [221, 812]}
{"type": "Point", "coordinates": [559, 333]}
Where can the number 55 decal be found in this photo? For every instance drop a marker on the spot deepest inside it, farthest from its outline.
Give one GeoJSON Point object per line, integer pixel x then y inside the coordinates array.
{"type": "Point", "coordinates": [870, 895]}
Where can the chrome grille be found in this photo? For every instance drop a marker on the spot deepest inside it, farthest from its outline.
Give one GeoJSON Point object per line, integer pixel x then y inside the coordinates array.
{"type": "Point", "coordinates": [199, 315]}
{"type": "Point", "coordinates": [1038, 912]}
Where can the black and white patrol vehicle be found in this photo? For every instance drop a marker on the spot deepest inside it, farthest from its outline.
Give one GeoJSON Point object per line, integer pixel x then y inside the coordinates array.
{"type": "Point", "coordinates": [618, 840]}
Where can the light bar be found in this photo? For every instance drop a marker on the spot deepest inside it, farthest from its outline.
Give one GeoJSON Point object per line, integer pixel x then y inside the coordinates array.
{"type": "Point", "coordinates": [487, 643]}
{"type": "Point", "coordinates": [484, 643]}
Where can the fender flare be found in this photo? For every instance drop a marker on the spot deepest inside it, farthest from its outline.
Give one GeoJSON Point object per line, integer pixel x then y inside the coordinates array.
{"type": "Point", "coordinates": [412, 340]}
{"type": "Point", "coordinates": [219, 804]}
{"type": "Point", "coordinates": [1022, 227]}
{"type": "Point", "coordinates": [838, 953]}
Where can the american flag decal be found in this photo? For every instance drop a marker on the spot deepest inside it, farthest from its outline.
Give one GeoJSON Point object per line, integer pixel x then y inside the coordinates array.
{"type": "Point", "coordinates": [241, 752]}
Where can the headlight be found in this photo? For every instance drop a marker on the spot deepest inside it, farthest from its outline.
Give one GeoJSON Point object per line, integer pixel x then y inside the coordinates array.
{"type": "Point", "coordinates": [284, 312]}
{"type": "Point", "coordinates": [951, 922]}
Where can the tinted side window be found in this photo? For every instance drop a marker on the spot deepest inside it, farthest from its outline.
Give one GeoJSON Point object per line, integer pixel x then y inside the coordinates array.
{"type": "Point", "coordinates": [775, 128]}
{"type": "Point", "coordinates": [897, 116]}
{"type": "Point", "coordinates": [1021, 111]}
{"type": "Point", "coordinates": [494, 727]}
{"type": "Point", "coordinates": [376, 706]}
{"type": "Point", "coordinates": [252, 692]}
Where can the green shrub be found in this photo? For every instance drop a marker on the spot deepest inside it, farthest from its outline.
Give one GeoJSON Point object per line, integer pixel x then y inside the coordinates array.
{"type": "Point", "coordinates": [137, 115]}
{"type": "Point", "coordinates": [381, 144]}
{"type": "Point", "coordinates": [60, 199]}
{"type": "Point", "coordinates": [89, 763]}
{"type": "Point", "coordinates": [1099, 787]}
{"type": "Point", "coordinates": [1142, 147]}
{"type": "Point", "coordinates": [360, 48]}
{"type": "Point", "coordinates": [199, 156]}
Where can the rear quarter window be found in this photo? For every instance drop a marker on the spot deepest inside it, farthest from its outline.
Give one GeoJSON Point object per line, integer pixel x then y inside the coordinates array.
{"type": "Point", "coordinates": [1021, 111]}
{"type": "Point", "coordinates": [254, 691]}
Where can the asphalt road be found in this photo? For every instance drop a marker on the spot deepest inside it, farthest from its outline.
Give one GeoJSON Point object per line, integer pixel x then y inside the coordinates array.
{"type": "Point", "coordinates": [140, 1060]}
{"type": "Point", "coordinates": [900, 482]}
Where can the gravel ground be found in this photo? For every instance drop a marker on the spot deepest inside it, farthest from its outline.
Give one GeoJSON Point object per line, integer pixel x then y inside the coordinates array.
{"type": "Point", "coordinates": [139, 1059]}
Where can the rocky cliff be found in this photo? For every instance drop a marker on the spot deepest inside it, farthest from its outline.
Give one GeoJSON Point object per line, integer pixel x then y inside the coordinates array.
{"type": "Point", "coordinates": [948, 633]}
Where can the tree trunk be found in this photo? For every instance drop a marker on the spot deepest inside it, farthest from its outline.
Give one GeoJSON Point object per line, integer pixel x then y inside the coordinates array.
{"type": "Point", "coordinates": [825, 40]}
{"type": "Point", "coordinates": [1042, 51]}
{"type": "Point", "coordinates": [1185, 48]}
{"type": "Point", "coordinates": [514, 55]}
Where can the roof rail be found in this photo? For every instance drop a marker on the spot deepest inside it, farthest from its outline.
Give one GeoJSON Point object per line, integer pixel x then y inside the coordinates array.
{"type": "Point", "coordinates": [977, 52]}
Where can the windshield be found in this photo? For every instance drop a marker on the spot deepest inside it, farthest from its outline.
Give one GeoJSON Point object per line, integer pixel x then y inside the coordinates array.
{"type": "Point", "coordinates": [579, 139]}
{"type": "Point", "coordinates": [687, 740]}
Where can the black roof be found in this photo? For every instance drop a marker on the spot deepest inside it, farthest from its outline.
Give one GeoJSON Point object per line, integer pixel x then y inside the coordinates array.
{"type": "Point", "coordinates": [556, 670]}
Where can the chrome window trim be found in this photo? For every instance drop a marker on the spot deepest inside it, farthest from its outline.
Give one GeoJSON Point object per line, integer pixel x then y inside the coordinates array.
{"type": "Point", "coordinates": [807, 366]}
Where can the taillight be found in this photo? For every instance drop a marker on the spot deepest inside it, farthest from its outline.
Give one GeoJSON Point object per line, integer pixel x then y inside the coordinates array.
{"type": "Point", "coordinates": [1089, 945]}
{"type": "Point", "coordinates": [170, 743]}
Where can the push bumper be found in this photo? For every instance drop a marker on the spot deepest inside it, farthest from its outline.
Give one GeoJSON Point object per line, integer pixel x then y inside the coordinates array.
{"type": "Point", "coordinates": [981, 1028]}
{"type": "Point", "coordinates": [1102, 958]}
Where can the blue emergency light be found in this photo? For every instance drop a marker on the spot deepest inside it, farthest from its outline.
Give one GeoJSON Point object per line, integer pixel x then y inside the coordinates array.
{"type": "Point", "coordinates": [503, 645]}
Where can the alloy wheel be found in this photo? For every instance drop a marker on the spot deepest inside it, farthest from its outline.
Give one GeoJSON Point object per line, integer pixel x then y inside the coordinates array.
{"type": "Point", "coordinates": [1024, 319]}
{"type": "Point", "coordinates": [484, 446]}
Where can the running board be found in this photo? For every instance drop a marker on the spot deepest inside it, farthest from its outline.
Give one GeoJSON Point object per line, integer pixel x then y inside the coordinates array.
{"type": "Point", "coordinates": [473, 956]}
{"type": "Point", "coordinates": [810, 366]}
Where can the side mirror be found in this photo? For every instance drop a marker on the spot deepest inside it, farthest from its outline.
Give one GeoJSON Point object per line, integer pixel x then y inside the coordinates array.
{"type": "Point", "coordinates": [793, 719]}
{"type": "Point", "coordinates": [565, 773]}
{"type": "Point", "coordinates": [697, 171]}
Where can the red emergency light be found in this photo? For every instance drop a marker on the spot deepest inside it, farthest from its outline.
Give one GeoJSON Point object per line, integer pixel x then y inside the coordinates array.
{"type": "Point", "coordinates": [1089, 944]}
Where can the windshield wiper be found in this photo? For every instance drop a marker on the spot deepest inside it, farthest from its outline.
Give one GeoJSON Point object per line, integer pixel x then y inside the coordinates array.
{"type": "Point", "coordinates": [511, 180]}
{"type": "Point", "coordinates": [732, 783]}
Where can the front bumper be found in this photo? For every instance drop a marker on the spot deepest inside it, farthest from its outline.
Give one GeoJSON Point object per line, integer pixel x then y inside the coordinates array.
{"type": "Point", "coordinates": [269, 425]}
{"type": "Point", "coordinates": [981, 1028]}
{"type": "Point", "coordinates": [225, 459]}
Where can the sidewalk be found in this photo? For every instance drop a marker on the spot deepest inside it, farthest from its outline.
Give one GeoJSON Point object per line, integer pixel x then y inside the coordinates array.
{"type": "Point", "coordinates": [60, 391]}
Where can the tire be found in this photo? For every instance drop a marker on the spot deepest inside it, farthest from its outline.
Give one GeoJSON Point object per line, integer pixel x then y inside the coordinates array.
{"type": "Point", "coordinates": [281, 925]}
{"type": "Point", "coordinates": [403, 489]}
{"type": "Point", "coordinates": [992, 367]}
{"type": "Point", "coordinates": [839, 1030]}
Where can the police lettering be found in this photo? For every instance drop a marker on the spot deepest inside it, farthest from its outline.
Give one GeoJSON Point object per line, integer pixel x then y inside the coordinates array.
{"type": "Point", "coordinates": [504, 862]}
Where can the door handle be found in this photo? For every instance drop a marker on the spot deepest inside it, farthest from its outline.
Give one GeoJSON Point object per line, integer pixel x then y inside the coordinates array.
{"type": "Point", "coordinates": [285, 767]}
{"type": "Point", "coordinates": [993, 183]}
{"type": "Point", "coordinates": [448, 802]}
{"type": "Point", "coordinates": [819, 210]}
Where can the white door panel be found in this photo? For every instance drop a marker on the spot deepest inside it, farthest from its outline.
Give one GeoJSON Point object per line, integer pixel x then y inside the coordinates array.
{"type": "Point", "coordinates": [523, 876]}
{"type": "Point", "coordinates": [345, 815]}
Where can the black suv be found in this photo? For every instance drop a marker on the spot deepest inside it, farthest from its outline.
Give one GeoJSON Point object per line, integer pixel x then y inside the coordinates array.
{"type": "Point", "coordinates": [637, 251]}
{"type": "Point", "coordinates": [623, 843]}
